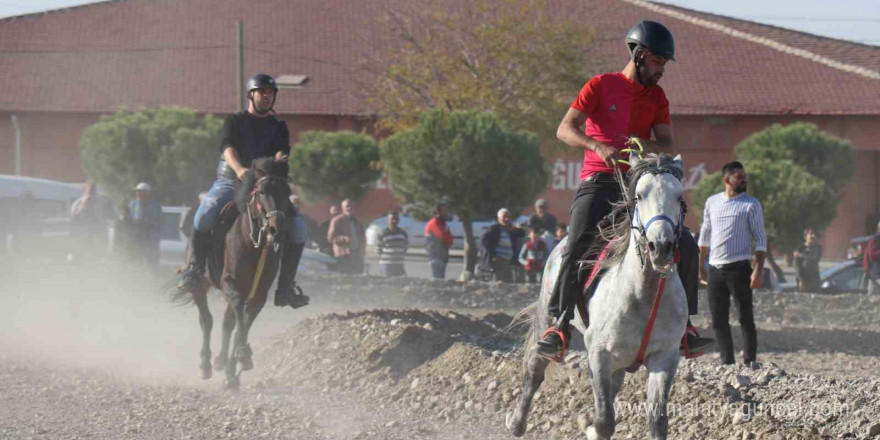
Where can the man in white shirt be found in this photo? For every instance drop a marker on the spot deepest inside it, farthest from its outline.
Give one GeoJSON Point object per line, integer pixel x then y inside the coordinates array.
{"type": "Point", "coordinates": [732, 221]}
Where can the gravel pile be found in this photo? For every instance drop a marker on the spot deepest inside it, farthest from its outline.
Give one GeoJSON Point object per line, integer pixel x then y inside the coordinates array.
{"type": "Point", "coordinates": [458, 369]}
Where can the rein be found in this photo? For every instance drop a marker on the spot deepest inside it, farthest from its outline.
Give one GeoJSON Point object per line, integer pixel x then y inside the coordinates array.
{"type": "Point", "coordinates": [258, 240]}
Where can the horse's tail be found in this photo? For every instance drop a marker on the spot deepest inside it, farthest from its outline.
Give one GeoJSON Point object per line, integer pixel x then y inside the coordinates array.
{"type": "Point", "coordinates": [526, 317]}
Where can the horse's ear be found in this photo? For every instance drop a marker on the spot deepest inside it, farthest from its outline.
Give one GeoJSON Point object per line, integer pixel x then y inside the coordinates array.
{"type": "Point", "coordinates": [678, 162]}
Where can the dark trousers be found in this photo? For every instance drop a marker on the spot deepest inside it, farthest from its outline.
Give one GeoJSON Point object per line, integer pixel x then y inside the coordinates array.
{"type": "Point", "coordinates": [534, 277]}
{"type": "Point", "coordinates": [732, 279]}
{"type": "Point", "coordinates": [592, 203]}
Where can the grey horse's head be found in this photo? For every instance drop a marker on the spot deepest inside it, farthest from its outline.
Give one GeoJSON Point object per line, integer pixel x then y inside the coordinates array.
{"type": "Point", "coordinates": [656, 196]}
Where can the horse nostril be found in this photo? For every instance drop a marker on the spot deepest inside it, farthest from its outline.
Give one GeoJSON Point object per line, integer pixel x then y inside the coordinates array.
{"type": "Point", "coordinates": [272, 230]}
{"type": "Point", "coordinates": [651, 246]}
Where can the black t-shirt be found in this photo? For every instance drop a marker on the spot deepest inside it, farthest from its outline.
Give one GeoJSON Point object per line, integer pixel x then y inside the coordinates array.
{"type": "Point", "coordinates": [254, 137]}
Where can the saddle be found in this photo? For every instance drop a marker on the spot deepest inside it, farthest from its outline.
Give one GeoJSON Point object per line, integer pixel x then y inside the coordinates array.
{"type": "Point", "coordinates": [590, 283]}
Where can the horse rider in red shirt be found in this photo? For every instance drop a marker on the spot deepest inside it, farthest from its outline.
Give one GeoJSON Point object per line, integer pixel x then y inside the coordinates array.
{"type": "Point", "coordinates": [613, 108]}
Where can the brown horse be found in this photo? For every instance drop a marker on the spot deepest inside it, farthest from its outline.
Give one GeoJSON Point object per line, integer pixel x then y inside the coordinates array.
{"type": "Point", "coordinates": [243, 261]}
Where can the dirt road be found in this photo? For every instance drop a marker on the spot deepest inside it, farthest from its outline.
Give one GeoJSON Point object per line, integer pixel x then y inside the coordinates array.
{"type": "Point", "coordinates": [89, 356]}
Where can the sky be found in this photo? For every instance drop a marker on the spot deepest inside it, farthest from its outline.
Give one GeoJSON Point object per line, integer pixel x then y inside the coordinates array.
{"type": "Point", "coordinates": [853, 20]}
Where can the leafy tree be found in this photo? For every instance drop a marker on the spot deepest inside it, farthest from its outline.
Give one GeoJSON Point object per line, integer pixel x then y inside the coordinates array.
{"type": "Point", "coordinates": [822, 154]}
{"type": "Point", "coordinates": [522, 59]}
{"type": "Point", "coordinates": [174, 149]}
{"type": "Point", "coordinates": [334, 165]}
{"type": "Point", "coordinates": [469, 159]}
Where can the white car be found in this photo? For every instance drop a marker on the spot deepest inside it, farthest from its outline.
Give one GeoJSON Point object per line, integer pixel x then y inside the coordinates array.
{"type": "Point", "coordinates": [415, 229]}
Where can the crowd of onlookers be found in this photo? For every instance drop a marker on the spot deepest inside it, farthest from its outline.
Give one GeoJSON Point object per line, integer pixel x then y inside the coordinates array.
{"type": "Point", "coordinates": [136, 226]}
{"type": "Point", "coordinates": [506, 252]}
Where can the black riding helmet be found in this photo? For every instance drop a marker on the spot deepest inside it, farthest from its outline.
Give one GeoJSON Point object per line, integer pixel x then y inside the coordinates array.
{"type": "Point", "coordinates": [652, 35]}
{"type": "Point", "coordinates": [261, 81]}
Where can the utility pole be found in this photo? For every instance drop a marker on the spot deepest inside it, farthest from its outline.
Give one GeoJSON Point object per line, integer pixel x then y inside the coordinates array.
{"type": "Point", "coordinates": [17, 130]}
{"type": "Point", "coordinates": [240, 84]}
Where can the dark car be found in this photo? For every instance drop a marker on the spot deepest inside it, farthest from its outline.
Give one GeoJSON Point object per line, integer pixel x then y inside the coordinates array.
{"type": "Point", "coordinates": [845, 277]}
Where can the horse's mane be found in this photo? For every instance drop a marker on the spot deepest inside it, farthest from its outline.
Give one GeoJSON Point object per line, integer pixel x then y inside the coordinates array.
{"type": "Point", "coordinates": [617, 227]}
{"type": "Point", "coordinates": [264, 166]}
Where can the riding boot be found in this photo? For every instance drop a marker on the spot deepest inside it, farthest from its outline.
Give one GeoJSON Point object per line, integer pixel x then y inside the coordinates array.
{"type": "Point", "coordinates": [195, 271]}
{"type": "Point", "coordinates": [693, 341]}
{"type": "Point", "coordinates": [288, 293]}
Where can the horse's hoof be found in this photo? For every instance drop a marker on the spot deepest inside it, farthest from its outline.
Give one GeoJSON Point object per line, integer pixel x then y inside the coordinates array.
{"type": "Point", "coordinates": [219, 363]}
{"type": "Point", "coordinates": [205, 371]}
{"type": "Point", "coordinates": [244, 356]}
{"type": "Point", "coordinates": [232, 383]}
{"type": "Point", "coordinates": [517, 429]}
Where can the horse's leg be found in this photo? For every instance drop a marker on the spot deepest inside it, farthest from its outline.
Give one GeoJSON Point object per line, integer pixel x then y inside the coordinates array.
{"type": "Point", "coordinates": [243, 353]}
{"type": "Point", "coordinates": [228, 325]}
{"type": "Point", "coordinates": [661, 373]}
{"type": "Point", "coordinates": [200, 296]}
{"type": "Point", "coordinates": [604, 384]}
{"type": "Point", "coordinates": [517, 420]}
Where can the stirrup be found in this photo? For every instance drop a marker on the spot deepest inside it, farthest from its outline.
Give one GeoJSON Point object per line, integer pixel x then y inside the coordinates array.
{"type": "Point", "coordinates": [292, 297]}
{"type": "Point", "coordinates": [561, 356]}
{"type": "Point", "coordinates": [684, 340]}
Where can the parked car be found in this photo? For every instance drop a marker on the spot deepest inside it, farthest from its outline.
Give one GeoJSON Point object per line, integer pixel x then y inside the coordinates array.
{"type": "Point", "coordinates": [51, 209]}
{"type": "Point", "coordinates": [844, 277]}
{"type": "Point", "coordinates": [416, 230]}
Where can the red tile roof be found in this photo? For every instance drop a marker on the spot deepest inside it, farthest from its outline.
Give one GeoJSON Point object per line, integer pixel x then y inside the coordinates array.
{"type": "Point", "coordinates": [97, 57]}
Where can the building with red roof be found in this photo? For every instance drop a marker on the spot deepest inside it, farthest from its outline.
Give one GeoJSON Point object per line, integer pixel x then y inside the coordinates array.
{"type": "Point", "coordinates": [64, 68]}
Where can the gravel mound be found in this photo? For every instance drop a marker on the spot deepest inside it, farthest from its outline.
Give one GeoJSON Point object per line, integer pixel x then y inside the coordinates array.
{"type": "Point", "coordinates": [458, 368]}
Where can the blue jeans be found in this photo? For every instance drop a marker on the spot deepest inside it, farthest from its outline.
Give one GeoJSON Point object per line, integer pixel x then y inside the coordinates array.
{"type": "Point", "coordinates": [223, 191]}
{"type": "Point", "coordinates": [438, 269]}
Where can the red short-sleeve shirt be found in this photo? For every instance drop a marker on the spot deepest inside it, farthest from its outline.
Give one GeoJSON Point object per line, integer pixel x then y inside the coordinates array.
{"type": "Point", "coordinates": [616, 109]}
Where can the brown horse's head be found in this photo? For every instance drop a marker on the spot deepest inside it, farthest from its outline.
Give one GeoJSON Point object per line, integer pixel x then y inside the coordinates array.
{"type": "Point", "coordinates": [264, 197]}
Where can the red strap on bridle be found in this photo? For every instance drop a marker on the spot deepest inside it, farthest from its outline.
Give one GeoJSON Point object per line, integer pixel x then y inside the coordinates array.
{"type": "Point", "coordinates": [640, 357]}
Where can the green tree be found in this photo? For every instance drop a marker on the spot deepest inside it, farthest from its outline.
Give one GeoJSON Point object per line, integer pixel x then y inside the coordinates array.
{"type": "Point", "coordinates": [822, 154]}
{"type": "Point", "coordinates": [522, 59]}
{"type": "Point", "coordinates": [174, 149]}
{"type": "Point", "coordinates": [335, 165]}
{"type": "Point", "coordinates": [469, 159]}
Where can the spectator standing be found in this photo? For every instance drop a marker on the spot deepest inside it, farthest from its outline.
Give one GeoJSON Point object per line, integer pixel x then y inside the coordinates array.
{"type": "Point", "coordinates": [871, 263]}
{"type": "Point", "coordinates": [392, 246]}
{"type": "Point", "coordinates": [542, 217]}
{"type": "Point", "coordinates": [438, 240]}
{"type": "Point", "coordinates": [561, 231]}
{"type": "Point", "coordinates": [89, 216]}
{"type": "Point", "coordinates": [806, 259]}
{"type": "Point", "coordinates": [533, 255]}
{"type": "Point", "coordinates": [501, 244]}
{"type": "Point", "coordinates": [349, 239]}
{"type": "Point", "coordinates": [146, 216]}
{"type": "Point", "coordinates": [323, 245]}
{"type": "Point", "coordinates": [731, 220]}
{"type": "Point", "coordinates": [125, 240]}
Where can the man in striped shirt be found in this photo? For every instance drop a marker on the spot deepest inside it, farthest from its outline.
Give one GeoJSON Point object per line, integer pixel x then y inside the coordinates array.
{"type": "Point", "coordinates": [732, 221]}
{"type": "Point", "coordinates": [391, 247]}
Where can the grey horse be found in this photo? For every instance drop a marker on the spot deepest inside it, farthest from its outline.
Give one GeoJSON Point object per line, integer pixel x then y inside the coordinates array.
{"type": "Point", "coordinates": [619, 309]}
